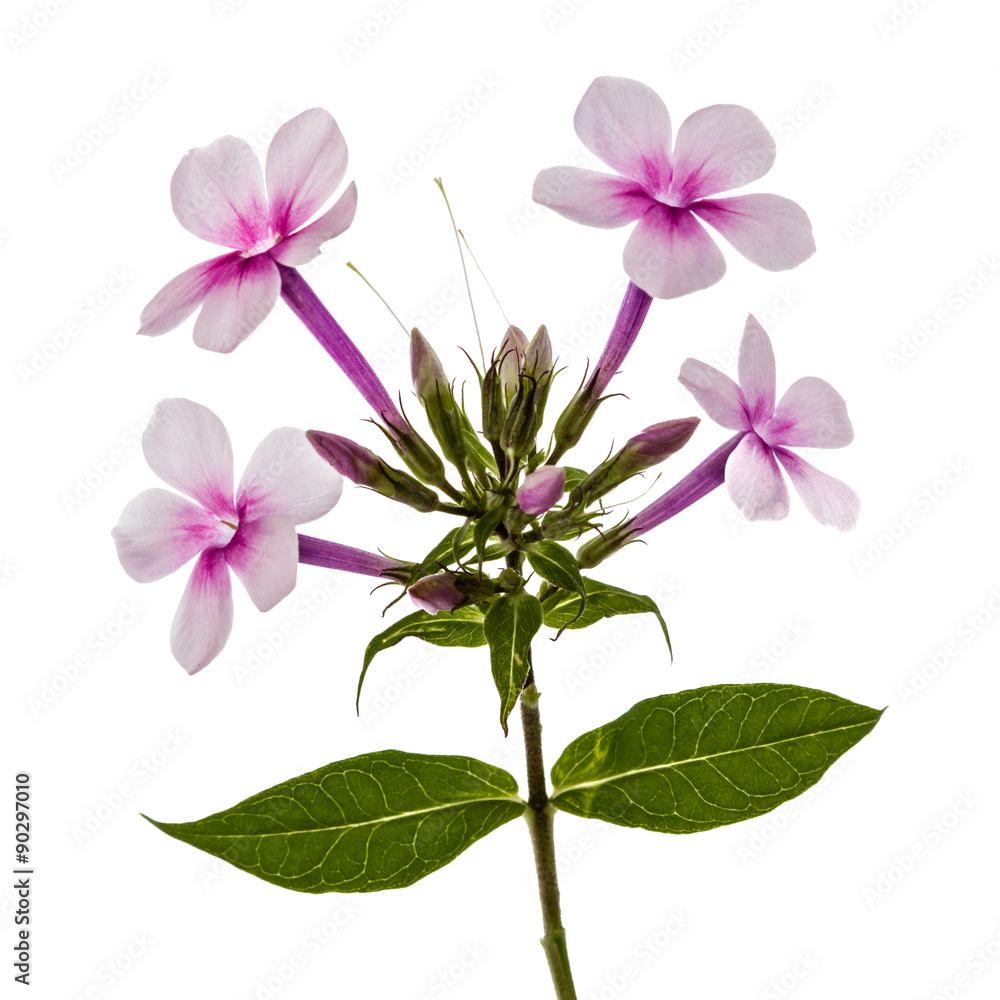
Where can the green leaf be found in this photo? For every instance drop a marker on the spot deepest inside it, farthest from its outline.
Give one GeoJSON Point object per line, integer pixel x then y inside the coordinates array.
{"type": "Point", "coordinates": [443, 553]}
{"type": "Point", "coordinates": [574, 477]}
{"type": "Point", "coordinates": [552, 562]}
{"type": "Point", "coordinates": [510, 625]}
{"type": "Point", "coordinates": [692, 761]}
{"type": "Point", "coordinates": [562, 609]}
{"type": "Point", "coordinates": [461, 627]}
{"type": "Point", "coordinates": [483, 529]}
{"type": "Point", "coordinates": [479, 454]}
{"type": "Point", "coordinates": [379, 821]}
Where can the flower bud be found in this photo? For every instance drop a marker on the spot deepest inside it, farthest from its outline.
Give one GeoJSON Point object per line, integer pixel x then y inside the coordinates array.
{"type": "Point", "coordinates": [521, 426]}
{"type": "Point", "coordinates": [641, 452]}
{"type": "Point", "coordinates": [494, 404]}
{"type": "Point", "coordinates": [509, 359]}
{"type": "Point", "coordinates": [538, 354]}
{"type": "Point", "coordinates": [365, 468]}
{"type": "Point", "coordinates": [437, 593]}
{"type": "Point", "coordinates": [421, 458]}
{"type": "Point", "coordinates": [606, 544]}
{"type": "Point", "coordinates": [574, 419]}
{"type": "Point", "coordinates": [435, 393]}
{"type": "Point", "coordinates": [541, 490]}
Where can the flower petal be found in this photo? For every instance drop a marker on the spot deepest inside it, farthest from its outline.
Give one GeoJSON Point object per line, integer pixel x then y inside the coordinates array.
{"type": "Point", "coordinates": [187, 446]}
{"type": "Point", "coordinates": [770, 231]}
{"type": "Point", "coordinates": [238, 304]}
{"type": "Point", "coordinates": [756, 368]}
{"type": "Point", "coordinates": [205, 616]}
{"type": "Point", "coordinates": [830, 501]}
{"type": "Point", "coordinates": [264, 554]}
{"type": "Point", "coordinates": [669, 254]}
{"type": "Point", "coordinates": [717, 394]}
{"type": "Point", "coordinates": [590, 197]}
{"type": "Point", "coordinates": [218, 194]}
{"type": "Point", "coordinates": [285, 476]}
{"type": "Point", "coordinates": [719, 148]}
{"type": "Point", "coordinates": [755, 482]}
{"type": "Point", "coordinates": [159, 531]}
{"type": "Point", "coordinates": [811, 414]}
{"type": "Point", "coordinates": [306, 162]}
{"type": "Point", "coordinates": [627, 125]}
{"type": "Point", "coordinates": [303, 246]}
{"type": "Point", "coordinates": [178, 298]}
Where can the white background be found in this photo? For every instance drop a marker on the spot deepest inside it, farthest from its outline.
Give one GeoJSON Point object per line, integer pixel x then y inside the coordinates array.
{"type": "Point", "coordinates": [883, 881]}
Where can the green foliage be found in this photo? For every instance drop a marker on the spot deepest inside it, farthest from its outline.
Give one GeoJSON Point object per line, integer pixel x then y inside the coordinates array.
{"type": "Point", "coordinates": [510, 625]}
{"type": "Point", "coordinates": [556, 564]}
{"type": "Point", "coordinates": [379, 821]}
{"type": "Point", "coordinates": [562, 609]}
{"type": "Point", "coordinates": [679, 763]}
{"type": "Point", "coordinates": [461, 627]}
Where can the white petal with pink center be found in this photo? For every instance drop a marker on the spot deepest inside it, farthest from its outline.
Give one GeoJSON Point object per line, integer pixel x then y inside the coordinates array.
{"type": "Point", "coordinates": [717, 394]}
{"type": "Point", "coordinates": [811, 414]}
{"type": "Point", "coordinates": [719, 148]}
{"type": "Point", "coordinates": [188, 447]}
{"type": "Point", "coordinates": [217, 192]}
{"type": "Point", "coordinates": [755, 482]}
{"type": "Point", "coordinates": [204, 619]}
{"type": "Point", "coordinates": [286, 476]}
{"type": "Point", "coordinates": [159, 532]}
{"type": "Point", "coordinates": [669, 254]}
{"type": "Point", "coordinates": [757, 371]}
{"type": "Point", "coordinates": [627, 125]}
{"type": "Point", "coordinates": [590, 197]}
{"type": "Point", "coordinates": [829, 500]}
{"type": "Point", "coordinates": [264, 554]}
{"type": "Point", "coordinates": [306, 162]}
{"type": "Point", "coordinates": [770, 231]}
{"type": "Point", "coordinates": [238, 304]}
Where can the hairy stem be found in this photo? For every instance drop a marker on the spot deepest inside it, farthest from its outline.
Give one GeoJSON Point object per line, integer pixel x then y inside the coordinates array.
{"type": "Point", "coordinates": [539, 816]}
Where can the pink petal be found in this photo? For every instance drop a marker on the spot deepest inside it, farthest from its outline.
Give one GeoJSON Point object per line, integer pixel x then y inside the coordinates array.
{"type": "Point", "coordinates": [830, 501]}
{"type": "Point", "coordinates": [718, 395]}
{"type": "Point", "coordinates": [285, 476]}
{"type": "Point", "coordinates": [218, 194]}
{"type": "Point", "coordinates": [306, 162]}
{"type": "Point", "coordinates": [772, 232]}
{"type": "Point", "coordinates": [187, 446]}
{"type": "Point", "coordinates": [811, 414]}
{"type": "Point", "coordinates": [627, 125]}
{"type": "Point", "coordinates": [205, 616]}
{"type": "Point", "coordinates": [178, 298]}
{"type": "Point", "coordinates": [669, 254]}
{"type": "Point", "coordinates": [159, 531]}
{"type": "Point", "coordinates": [238, 304]}
{"type": "Point", "coordinates": [756, 368]}
{"type": "Point", "coordinates": [264, 554]}
{"type": "Point", "coordinates": [718, 149]}
{"type": "Point", "coordinates": [755, 482]}
{"type": "Point", "coordinates": [303, 246]}
{"type": "Point", "coordinates": [590, 197]}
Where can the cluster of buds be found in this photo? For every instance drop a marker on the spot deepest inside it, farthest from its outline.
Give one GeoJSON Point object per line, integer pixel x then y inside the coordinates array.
{"type": "Point", "coordinates": [511, 495]}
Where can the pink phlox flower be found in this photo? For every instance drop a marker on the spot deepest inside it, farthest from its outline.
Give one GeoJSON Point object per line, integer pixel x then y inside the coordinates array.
{"type": "Point", "coordinates": [250, 531]}
{"type": "Point", "coordinates": [667, 187]}
{"type": "Point", "coordinates": [220, 194]}
{"type": "Point", "coordinates": [811, 414]}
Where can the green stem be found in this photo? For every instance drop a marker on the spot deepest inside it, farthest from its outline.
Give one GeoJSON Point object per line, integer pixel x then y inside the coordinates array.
{"type": "Point", "coordinates": [539, 815]}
